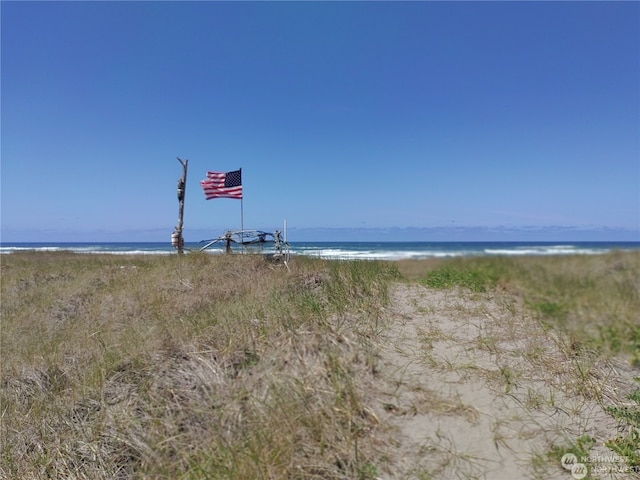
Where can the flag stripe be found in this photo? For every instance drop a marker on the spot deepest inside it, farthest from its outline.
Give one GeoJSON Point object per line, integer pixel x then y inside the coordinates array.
{"type": "Point", "coordinates": [223, 185]}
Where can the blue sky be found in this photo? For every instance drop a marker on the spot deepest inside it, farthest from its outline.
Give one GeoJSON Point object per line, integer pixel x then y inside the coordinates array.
{"type": "Point", "coordinates": [341, 114]}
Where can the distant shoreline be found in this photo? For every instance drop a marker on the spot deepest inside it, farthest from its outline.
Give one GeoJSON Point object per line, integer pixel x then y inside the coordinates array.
{"type": "Point", "coordinates": [341, 250]}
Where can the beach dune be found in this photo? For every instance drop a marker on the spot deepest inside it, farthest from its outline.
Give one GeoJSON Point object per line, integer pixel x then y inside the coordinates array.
{"type": "Point", "coordinates": [229, 366]}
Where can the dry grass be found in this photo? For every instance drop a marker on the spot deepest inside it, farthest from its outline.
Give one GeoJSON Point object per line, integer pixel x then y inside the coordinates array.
{"type": "Point", "coordinates": [192, 367]}
{"type": "Point", "coordinates": [203, 366]}
{"type": "Point", "coordinates": [594, 300]}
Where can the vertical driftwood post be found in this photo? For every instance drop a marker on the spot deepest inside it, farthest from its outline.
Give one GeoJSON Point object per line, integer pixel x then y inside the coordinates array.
{"type": "Point", "coordinates": [176, 237]}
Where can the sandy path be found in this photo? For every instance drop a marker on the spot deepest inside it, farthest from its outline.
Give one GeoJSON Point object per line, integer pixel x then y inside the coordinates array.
{"type": "Point", "coordinates": [475, 389]}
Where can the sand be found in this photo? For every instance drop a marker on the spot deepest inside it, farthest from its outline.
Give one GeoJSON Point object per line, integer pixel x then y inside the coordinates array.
{"type": "Point", "coordinates": [472, 393]}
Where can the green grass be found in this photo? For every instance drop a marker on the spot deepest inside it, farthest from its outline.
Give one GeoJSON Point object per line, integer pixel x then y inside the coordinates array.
{"type": "Point", "coordinates": [627, 445]}
{"type": "Point", "coordinates": [477, 274]}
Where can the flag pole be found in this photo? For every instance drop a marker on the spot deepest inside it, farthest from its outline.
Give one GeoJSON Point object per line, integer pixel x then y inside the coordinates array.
{"type": "Point", "coordinates": [242, 213]}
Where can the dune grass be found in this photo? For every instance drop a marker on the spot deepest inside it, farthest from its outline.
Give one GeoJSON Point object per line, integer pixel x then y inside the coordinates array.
{"type": "Point", "coordinates": [188, 367]}
{"type": "Point", "coordinates": [594, 300]}
{"type": "Point", "coordinates": [228, 366]}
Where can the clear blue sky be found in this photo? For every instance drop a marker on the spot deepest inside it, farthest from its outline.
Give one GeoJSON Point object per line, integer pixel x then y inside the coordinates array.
{"type": "Point", "coordinates": [341, 114]}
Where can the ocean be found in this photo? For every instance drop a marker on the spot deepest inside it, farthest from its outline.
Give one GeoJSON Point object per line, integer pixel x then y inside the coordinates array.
{"type": "Point", "coordinates": [346, 250]}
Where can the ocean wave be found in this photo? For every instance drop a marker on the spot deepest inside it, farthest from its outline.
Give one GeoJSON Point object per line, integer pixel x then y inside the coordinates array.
{"type": "Point", "coordinates": [134, 252]}
{"type": "Point", "coordinates": [546, 250]}
{"type": "Point", "coordinates": [28, 249]}
{"type": "Point", "coordinates": [346, 254]}
{"type": "Point", "coordinates": [84, 250]}
{"type": "Point", "coordinates": [345, 250]}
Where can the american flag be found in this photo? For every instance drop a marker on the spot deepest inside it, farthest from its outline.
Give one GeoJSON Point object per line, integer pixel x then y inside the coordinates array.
{"type": "Point", "coordinates": [223, 185]}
